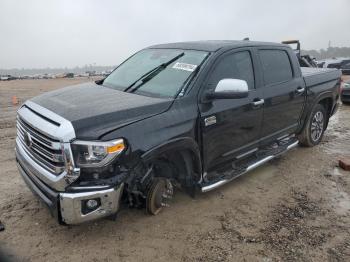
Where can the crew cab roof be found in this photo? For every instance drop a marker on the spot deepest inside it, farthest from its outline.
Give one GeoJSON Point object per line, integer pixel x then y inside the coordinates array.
{"type": "Point", "coordinates": [214, 45]}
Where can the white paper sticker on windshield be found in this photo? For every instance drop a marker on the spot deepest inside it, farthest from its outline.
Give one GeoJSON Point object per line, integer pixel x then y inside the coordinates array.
{"type": "Point", "coordinates": [184, 66]}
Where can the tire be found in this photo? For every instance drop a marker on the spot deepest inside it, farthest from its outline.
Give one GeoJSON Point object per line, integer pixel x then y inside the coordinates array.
{"type": "Point", "coordinates": [313, 130]}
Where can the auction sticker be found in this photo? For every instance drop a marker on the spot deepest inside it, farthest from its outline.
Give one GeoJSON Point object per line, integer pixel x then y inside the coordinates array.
{"type": "Point", "coordinates": [184, 66]}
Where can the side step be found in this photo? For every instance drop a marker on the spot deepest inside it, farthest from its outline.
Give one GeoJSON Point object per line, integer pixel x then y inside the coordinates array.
{"type": "Point", "coordinates": [209, 187]}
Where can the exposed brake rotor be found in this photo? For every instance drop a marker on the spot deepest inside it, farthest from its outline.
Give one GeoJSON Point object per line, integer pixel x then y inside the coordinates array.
{"type": "Point", "coordinates": [160, 192]}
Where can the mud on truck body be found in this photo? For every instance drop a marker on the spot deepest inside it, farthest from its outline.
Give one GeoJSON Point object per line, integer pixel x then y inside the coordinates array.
{"type": "Point", "coordinates": [192, 115]}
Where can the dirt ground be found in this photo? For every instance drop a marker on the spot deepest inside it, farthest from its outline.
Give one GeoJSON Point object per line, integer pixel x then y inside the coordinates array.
{"type": "Point", "coordinates": [295, 208]}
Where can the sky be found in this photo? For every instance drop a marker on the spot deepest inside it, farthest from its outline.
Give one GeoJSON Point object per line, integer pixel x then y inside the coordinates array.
{"type": "Point", "coordinates": [69, 33]}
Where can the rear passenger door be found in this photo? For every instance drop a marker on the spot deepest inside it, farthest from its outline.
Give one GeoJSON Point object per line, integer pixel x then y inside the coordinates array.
{"type": "Point", "coordinates": [283, 92]}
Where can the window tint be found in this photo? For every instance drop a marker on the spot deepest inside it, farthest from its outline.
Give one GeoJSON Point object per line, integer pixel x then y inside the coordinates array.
{"type": "Point", "coordinates": [276, 66]}
{"type": "Point", "coordinates": [238, 66]}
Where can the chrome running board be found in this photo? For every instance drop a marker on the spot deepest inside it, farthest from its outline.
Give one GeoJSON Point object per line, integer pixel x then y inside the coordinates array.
{"type": "Point", "coordinates": [249, 168]}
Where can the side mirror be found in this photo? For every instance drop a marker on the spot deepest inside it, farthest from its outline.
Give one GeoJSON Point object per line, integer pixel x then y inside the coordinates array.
{"type": "Point", "coordinates": [229, 89]}
{"type": "Point", "coordinates": [100, 81]}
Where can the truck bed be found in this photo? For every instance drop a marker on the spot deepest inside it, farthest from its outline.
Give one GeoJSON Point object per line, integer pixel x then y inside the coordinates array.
{"type": "Point", "coordinates": [316, 76]}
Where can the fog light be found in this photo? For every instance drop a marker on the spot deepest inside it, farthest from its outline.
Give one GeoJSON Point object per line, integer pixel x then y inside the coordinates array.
{"type": "Point", "coordinates": [91, 204]}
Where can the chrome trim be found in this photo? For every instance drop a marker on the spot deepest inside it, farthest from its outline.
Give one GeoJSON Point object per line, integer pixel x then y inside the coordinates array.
{"type": "Point", "coordinates": [44, 122]}
{"type": "Point", "coordinates": [71, 209]}
{"type": "Point", "coordinates": [247, 153]}
{"type": "Point", "coordinates": [40, 147]}
{"type": "Point", "coordinates": [282, 137]}
{"type": "Point", "coordinates": [215, 185]}
{"type": "Point", "coordinates": [296, 143]}
{"type": "Point", "coordinates": [259, 102]}
{"type": "Point", "coordinates": [225, 181]}
{"type": "Point", "coordinates": [259, 163]}
{"type": "Point", "coordinates": [249, 168]}
{"type": "Point", "coordinates": [36, 136]}
{"type": "Point", "coordinates": [55, 170]}
{"type": "Point", "coordinates": [59, 182]}
{"type": "Point", "coordinates": [65, 132]}
{"type": "Point", "coordinates": [72, 171]}
{"type": "Point", "coordinates": [300, 90]}
{"type": "Point", "coordinates": [88, 187]}
{"type": "Point", "coordinates": [211, 120]}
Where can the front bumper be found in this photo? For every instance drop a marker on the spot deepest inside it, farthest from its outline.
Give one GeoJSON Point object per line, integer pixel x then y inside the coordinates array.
{"type": "Point", "coordinates": [71, 205]}
{"type": "Point", "coordinates": [68, 207]}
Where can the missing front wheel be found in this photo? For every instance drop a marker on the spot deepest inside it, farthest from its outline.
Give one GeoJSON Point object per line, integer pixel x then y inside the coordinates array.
{"type": "Point", "coordinates": [160, 192]}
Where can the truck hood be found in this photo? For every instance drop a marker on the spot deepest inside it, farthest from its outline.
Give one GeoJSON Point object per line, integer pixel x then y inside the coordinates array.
{"type": "Point", "coordinates": [95, 110]}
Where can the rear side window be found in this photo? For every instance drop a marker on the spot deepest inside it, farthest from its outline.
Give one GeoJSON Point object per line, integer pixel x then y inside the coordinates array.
{"type": "Point", "coordinates": [237, 66]}
{"type": "Point", "coordinates": [276, 66]}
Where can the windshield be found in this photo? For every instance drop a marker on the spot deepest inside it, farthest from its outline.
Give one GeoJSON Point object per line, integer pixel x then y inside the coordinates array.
{"type": "Point", "coordinates": [167, 82]}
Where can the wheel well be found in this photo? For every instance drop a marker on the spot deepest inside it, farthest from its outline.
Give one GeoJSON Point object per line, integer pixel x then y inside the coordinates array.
{"type": "Point", "coordinates": [179, 165]}
{"type": "Point", "coordinates": [327, 103]}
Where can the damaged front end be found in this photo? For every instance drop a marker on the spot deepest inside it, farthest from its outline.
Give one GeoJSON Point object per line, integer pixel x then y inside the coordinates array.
{"type": "Point", "coordinates": [76, 180]}
{"type": "Point", "coordinates": [85, 180]}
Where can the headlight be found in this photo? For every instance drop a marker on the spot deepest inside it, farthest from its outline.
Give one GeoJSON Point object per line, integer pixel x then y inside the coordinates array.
{"type": "Point", "coordinates": [96, 154]}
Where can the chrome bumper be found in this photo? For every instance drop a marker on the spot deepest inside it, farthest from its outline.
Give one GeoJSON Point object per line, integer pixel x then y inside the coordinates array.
{"type": "Point", "coordinates": [68, 207]}
{"type": "Point", "coordinates": [71, 205]}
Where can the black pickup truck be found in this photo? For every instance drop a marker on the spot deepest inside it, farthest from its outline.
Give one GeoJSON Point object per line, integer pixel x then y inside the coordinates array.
{"type": "Point", "coordinates": [192, 115]}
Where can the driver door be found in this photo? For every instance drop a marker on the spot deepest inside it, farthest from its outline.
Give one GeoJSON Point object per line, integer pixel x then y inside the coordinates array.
{"type": "Point", "coordinates": [231, 127]}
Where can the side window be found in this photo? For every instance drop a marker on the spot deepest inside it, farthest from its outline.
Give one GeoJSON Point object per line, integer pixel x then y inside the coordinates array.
{"type": "Point", "coordinates": [276, 66]}
{"type": "Point", "coordinates": [238, 66]}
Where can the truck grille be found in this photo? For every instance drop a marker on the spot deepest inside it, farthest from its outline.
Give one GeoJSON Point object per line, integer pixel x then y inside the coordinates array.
{"type": "Point", "coordinates": [44, 150]}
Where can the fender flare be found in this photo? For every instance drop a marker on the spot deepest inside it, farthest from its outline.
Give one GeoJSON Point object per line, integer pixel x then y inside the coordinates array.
{"type": "Point", "coordinates": [310, 107]}
{"type": "Point", "coordinates": [177, 144]}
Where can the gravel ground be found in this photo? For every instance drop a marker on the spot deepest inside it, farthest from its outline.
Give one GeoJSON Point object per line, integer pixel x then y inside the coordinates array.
{"type": "Point", "coordinates": [295, 208]}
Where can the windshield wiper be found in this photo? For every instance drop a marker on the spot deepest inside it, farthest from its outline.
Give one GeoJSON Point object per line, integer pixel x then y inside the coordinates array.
{"type": "Point", "coordinates": [152, 73]}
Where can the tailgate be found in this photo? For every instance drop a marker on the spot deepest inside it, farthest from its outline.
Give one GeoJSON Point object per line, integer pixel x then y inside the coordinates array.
{"type": "Point", "coordinates": [316, 76]}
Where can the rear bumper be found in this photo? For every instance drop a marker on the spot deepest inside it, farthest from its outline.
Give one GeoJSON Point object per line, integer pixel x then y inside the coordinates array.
{"type": "Point", "coordinates": [69, 208]}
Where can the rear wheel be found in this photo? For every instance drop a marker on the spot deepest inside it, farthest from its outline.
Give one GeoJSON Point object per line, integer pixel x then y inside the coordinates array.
{"type": "Point", "coordinates": [314, 129]}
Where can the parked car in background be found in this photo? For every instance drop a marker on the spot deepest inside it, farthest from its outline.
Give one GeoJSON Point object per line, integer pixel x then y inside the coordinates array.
{"type": "Point", "coordinates": [333, 64]}
{"type": "Point", "coordinates": [338, 63]}
{"type": "Point", "coordinates": [8, 78]}
{"type": "Point", "coordinates": [345, 92]}
{"type": "Point", "coordinates": [320, 63]}
{"type": "Point", "coordinates": [4, 78]}
{"type": "Point", "coordinates": [345, 67]}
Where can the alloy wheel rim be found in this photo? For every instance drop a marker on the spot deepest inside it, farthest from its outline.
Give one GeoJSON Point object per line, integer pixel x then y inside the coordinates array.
{"type": "Point", "coordinates": [317, 125]}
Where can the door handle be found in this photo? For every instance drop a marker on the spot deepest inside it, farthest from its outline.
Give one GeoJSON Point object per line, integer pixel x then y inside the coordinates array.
{"type": "Point", "coordinates": [258, 102]}
{"type": "Point", "coordinates": [300, 90]}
